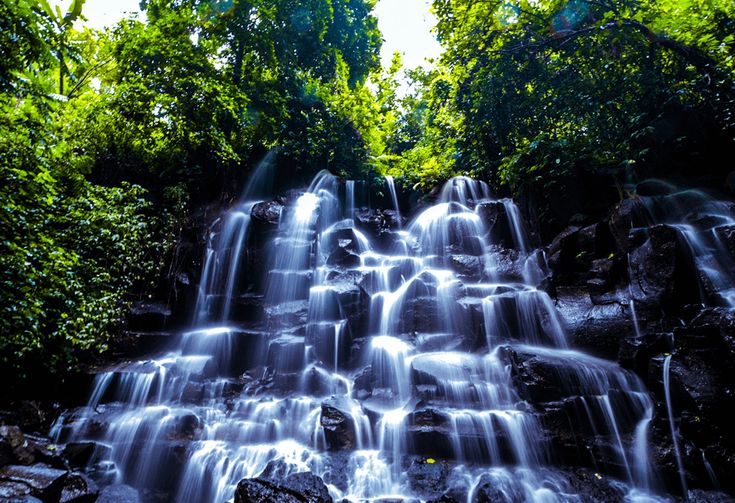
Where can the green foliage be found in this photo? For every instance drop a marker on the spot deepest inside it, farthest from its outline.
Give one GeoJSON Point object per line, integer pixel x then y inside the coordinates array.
{"type": "Point", "coordinates": [557, 91]}
{"type": "Point", "coordinates": [71, 252]}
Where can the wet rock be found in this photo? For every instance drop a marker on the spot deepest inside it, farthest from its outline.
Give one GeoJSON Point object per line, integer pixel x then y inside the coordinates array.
{"type": "Point", "coordinates": [599, 329]}
{"type": "Point", "coordinates": [573, 252]}
{"type": "Point", "coordinates": [363, 384]}
{"type": "Point", "coordinates": [13, 446]}
{"type": "Point", "coordinates": [467, 266]}
{"type": "Point", "coordinates": [132, 343]}
{"type": "Point", "coordinates": [296, 488]}
{"type": "Point", "coordinates": [662, 271]}
{"type": "Point", "coordinates": [702, 496]}
{"type": "Point", "coordinates": [42, 481]}
{"type": "Point", "coordinates": [15, 492]}
{"type": "Point", "coordinates": [265, 216]}
{"type": "Point", "coordinates": [427, 477]}
{"type": "Point", "coordinates": [726, 233]}
{"type": "Point", "coordinates": [119, 493]}
{"type": "Point", "coordinates": [495, 217]}
{"type": "Point", "coordinates": [378, 223]}
{"type": "Point", "coordinates": [430, 434]}
{"type": "Point", "coordinates": [337, 422]}
{"type": "Point", "coordinates": [596, 487]}
{"type": "Point", "coordinates": [79, 454]}
{"type": "Point", "coordinates": [287, 315]}
{"type": "Point", "coordinates": [148, 316]}
{"type": "Point", "coordinates": [78, 488]}
{"type": "Point", "coordinates": [489, 491]}
{"type": "Point", "coordinates": [628, 215]}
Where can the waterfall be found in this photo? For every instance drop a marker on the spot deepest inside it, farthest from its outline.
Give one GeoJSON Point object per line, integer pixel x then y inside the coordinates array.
{"type": "Point", "coordinates": [394, 198]}
{"type": "Point", "coordinates": [672, 426]}
{"type": "Point", "coordinates": [363, 360]}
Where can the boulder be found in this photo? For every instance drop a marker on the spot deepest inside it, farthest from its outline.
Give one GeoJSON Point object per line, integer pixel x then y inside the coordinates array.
{"type": "Point", "coordinates": [628, 215]}
{"type": "Point", "coordinates": [119, 493]}
{"type": "Point", "coordinates": [41, 480]}
{"type": "Point", "coordinates": [338, 423]}
{"type": "Point", "coordinates": [427, 477]}
{"type": "Point", "coordinates": [296, 488]}
{"type": "Point", "coordinates": [78, 488]}
{"type": "Point", "coordinates": [265, 216]}
{"type": "Point", "coordinates": [662, 271]}
{"type": "Point", "coordinates": [495, 218]}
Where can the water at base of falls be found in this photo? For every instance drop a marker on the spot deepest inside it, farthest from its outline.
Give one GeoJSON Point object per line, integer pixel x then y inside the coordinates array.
{"type": "Point", "coordinates": [369, 363]}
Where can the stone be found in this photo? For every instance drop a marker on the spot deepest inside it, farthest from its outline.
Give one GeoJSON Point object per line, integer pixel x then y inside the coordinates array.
{"type": "Point", "coordinates": [628, 215]}
{"type": "Point", "coordinates": [78, 488]}
{"type": "Point", "coordinates": [265, 216]}
{"type": "Point", "coordinates": [148, 316]}
{"type": "Point", "coordinates": [43, 481]}
{"type": "Point", "coordinates": [662, 271]}
{"type": "Point", "coordinates": [302, 487]}
{"type": "Point", "coordinates": [119, 493]}
{"type": "Point", "coordinates": [338, 424]}
{"type": "Point", "coordinates": [428, 477]}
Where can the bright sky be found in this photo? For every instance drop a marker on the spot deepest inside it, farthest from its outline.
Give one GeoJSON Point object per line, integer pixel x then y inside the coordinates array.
{"type": "Point", "coordinates": [406, 25]}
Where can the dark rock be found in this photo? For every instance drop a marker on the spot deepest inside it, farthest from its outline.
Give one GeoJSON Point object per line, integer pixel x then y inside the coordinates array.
{"type": "Point", "coordinates": [726, 233]}
{"type": "Point", "coordinates": [573, 252]}
{"type": "Point", "coordinates": [118, 493]}
{"type": "Point", "coordinates": [488, 490]}
{"type": "Point", "coordinates": [596, 487]}
{"type": "Point", "coordinates": [148, 316]}
{"type": "Point", "coordinates": [628, 215]}
{"type": "Point", "coordinates": [337, 422]}
{"type": "Point", "coordinates": [79, 454]}
{"type": "Point", "coordinates": [599, 329]}
{"type": "Point", "coordinates": [266, 215]}
{"type": "Point", "coordinates": [428, 477]}
{"type": "Point", "coordinates": [296, 488]}
{"type": "Point", "coordinates": [13, 446]}
{"type": "Point", "coordinates": [662, 271]}
{"type": "Point", "coordinates": [43, 481]}
{"type": "Point", "coordinates": [467, 266]}
{"type": "Point", "coordinates": [131, 343]}
{"type": "Point", "coordinates": [495, 217]}
{"type": "Point", "coordinates": [78, 488]}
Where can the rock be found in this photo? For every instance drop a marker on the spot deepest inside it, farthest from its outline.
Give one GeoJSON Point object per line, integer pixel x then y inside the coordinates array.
{"type": "Point", "coordinates": [596, 487]}
{"type": "Point", "coordinates": [79, 454]}
{"type": "Point", "coordinates": [573, 252]}
{"type": "Point", "coordinates": [118, 493]}
{"type": "Point", "coordinates": [13, 446]}
{"type": "Point", "coordinates": [78, 488]}
{"type": "Point", "coordinates": [338, 423]}
{"type": "Point", "coordinates": [296, 488]}
{"type": "Point", "coordinates": [628, 215]}
{"type": "Point", "coordinates": [467, 266]}
{"type": "Point", "coordinates": [726, 233]}
{"type": "Point", "coordinates": [265, 216]}
{"type": "Point", "coordinates": [42, 481]}
{"type": "Point", "coordinates": [599, 329]}
{"type": "Point", "coordinates": [378, 223]}
{"type": "Point", "coordinates": [491, 490]}
{"type": "Point", "coordinates": [662, 271]}
{"type": "Point", "coordinates": [495, 217]}
{"type": "Point", "coordinates": [428, 477]}
{"type": "Point", "coordinates": [148, 316]}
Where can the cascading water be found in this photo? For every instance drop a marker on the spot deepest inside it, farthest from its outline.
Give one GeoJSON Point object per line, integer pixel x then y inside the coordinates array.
{"type": "Point", "coordinates": [701, 221]}
{"type": "Point", "coordinates": [367, 360]}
